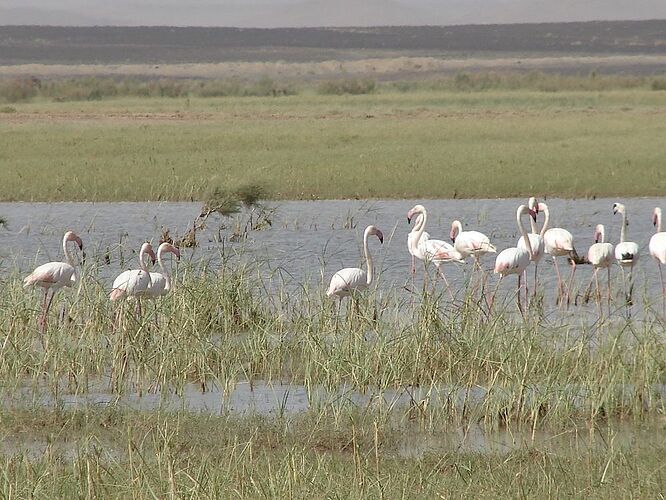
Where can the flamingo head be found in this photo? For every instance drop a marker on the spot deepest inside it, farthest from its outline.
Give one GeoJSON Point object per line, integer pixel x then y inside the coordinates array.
{"type": "Point", "coordinates": [599, 233]}
{"type": "Point", "coordinates": [533, 213]}
{"type": "Point", "coordinates": [71, 236]}
{"type": "Point", "coordinates": [533, 204]}
{"type": "Point", "coordinates": [372, 230]}
{"type": "Point", "coordinates": [618, 208]}
{"type": "Point", "coordinates": [656, 215]}
{"type": "Point", "coordinates": [168, 247]}
{"type": "Point", "coordinates": [456, 227]}
{"type": "Point", "coordinates": [416, 209]}
{"type": "Point", "coordinates": [147, 249]}
{"type": "Point", "coordinates": [541, 207]}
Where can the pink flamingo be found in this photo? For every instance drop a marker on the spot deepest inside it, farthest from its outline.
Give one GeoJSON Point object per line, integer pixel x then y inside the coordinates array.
{"type": "Point", "coordinates": [160, 283]}
{"type": "Point", "coordinates": [352, 279]}
{"type": "Point", "coordinates": [626, 252]}
{"type": "Point", "coordinates": [423, 248]}
{"type": "Point", "coordinates": [600, 256]}
{"type": "Point", "coordinates": [135, 282]}
{"type": "Point", "coordinates": [53, 276]}
{"type": "Point", "coordinates": [535, 238]}
{"type": "Point", "coordinates": [658, 251]}
{"type": "Point", "coordinates": [472, 243]}
{"type": "Point", "coordinates": [515, 260]}
{"type": "Point", "coordinates": [558, 242]}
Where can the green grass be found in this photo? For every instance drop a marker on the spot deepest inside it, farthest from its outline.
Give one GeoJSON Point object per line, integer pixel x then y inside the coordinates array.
{"type": "Point", "coordinates": [429, 144]}
{"type": "Point", "coordinates": [121, 454]}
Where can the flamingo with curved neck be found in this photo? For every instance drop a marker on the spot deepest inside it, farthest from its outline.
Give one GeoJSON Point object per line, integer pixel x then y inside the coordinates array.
{"type": "Point", "coordinates": [558, 242]}
{"type": "Point", "coordinates": [53, 276]}
{"type": "Point", "coordinates": [422, 247]}
{"type": "Point", "coordinates": [515, 260]}
{"type": "Point", "coordinates": [352, 279]}
{"type": "Point", "coordinates": [160, 283]}
{"type": "Point", "coordinates": [133, 283]}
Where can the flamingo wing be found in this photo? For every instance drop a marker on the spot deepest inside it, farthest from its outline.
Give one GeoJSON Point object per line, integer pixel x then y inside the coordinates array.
{"type": "Point", "coordinates": [51, 275]}
{"type": "Point", "coordinates": [658, 246]}
{"type": "Point", "coordinates": [347, 280]}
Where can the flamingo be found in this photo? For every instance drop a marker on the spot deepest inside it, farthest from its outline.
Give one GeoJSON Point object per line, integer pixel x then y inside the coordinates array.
{"type": "Point", "coordinates": [134, 283]}
{"type": "Point", "coordinates": [470, 242]}
{"type": "Point", "coordinates": [535, 238]}
{"type": "Point", "coordinates": [626, 252]}
{"type": "Point", "coordinates": [352, 279]}
{"type": "Point", "coordinates": [658, 251]}
{"type": "Point", "coordinates": [515, 260]}
{"type": "Point", "coordinates": [411, 239]}
{"type": "Point", "coordinates": [558, 242]}
{"type": "Point", "coordinates": [53, 276]}
{"type": "Point", "coordinates": [601, 256]}
{"type": "Point", "coordinates": [160, 283]}
{"type": "Point", "coordinates": [427, 250]}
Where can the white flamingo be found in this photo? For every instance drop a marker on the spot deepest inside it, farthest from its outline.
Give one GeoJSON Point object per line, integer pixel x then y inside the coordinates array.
{"type": "Point", "coordinates": [558, 242]}
{"type": "Point", "coordinates": [353, 279]}
{"type": "Point", "coordinates": [515, 260]}
{"type": "Point", "coordinates": [601, 256]}
{"type": "Point", "coordinates": [53, 276]}
{"type": "Point", "coordinates": [423, 248]}
{"type": "Point", "coordinates": [658, 251]}
{"type": "Point", "coordinates": [535, 238]}
{"type": "Point", "coordinates": [160, 283]}
{"type": "Point", "coordinates": [134, 283]}
{"type": "Point", "coordinates": [626, 252]}
{"type": "Point", "coordinates": [470, 242]}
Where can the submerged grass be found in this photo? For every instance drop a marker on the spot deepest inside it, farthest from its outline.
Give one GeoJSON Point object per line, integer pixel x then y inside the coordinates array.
{"type": "Point", "coordinates": [426, 143]}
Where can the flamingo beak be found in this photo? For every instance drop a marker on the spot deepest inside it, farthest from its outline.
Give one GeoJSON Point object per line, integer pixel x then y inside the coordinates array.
{"type": "Point", "coordinates": [410, 214]}
{"type": "Point", "coordinates": [153, 259]}
{"type": "Point", "coordinates": [380, 235]}
{"type": "Point", "coordinates": [614, 208]}
{"type": "Point", "coordinates": [533, 214]}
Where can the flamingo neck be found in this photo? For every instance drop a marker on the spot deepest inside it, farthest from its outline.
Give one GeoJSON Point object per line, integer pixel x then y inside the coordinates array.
{"type": "Point", "coordinates": [165, 271]}
{"type": "Point", "coordinates": [624, 226]}
{"type": "Point", "coordinates": [602, 234]}
{"type": "Point", "coordinates": [659, 221]}
{"type": "Point", "coordinates": [368, 257]}
{"type": "Point", "coordinates": [420, 228]}
{"type": "Point", "coordinates": [533, 226]}
{"type": "Point", "coordinates": [521, 210]}
{"type": "Point", "coordinates": [544, 228]}
{"type": "Point", "coordinates": [142, 261]}
{"type": "Point", "coordinates": [68, 256]}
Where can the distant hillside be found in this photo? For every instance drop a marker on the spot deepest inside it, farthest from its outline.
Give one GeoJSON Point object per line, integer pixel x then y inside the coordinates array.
{"type": "Point", "coordinates": [115, 45]}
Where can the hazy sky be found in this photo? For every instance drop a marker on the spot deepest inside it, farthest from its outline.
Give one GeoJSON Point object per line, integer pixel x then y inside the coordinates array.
{"type": "Point", "coordinates": [282, 13]}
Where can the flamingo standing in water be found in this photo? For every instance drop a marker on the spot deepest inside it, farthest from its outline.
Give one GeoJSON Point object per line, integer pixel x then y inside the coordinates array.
{"type": "Point", "coordinates": [626, 252]}
{"type": "Point", "coordinates": [658, 251]}
{"type": "Point", "coordinates": [423, 248]}
{"type": "Point", "coordinates": [471, 243]}
{"type": "Point", "coordinates": [134, 283]}
{"type": "Point", "coordinates": [160, 283]}
{"type": "Point", "coordinates": [515, 260]}
{"type": "Point", "coordinates": [412, 241]}
{"type": "Point", "coordinates": [53, 276]}
{"type": "Point", "coordinates": [535, 239]}
{"type": "Point", "coordinates": [353, 279]}
{"type": "Point", "coordinates": [558, 242]}
{"type": "Point", "coordinates": [601, 256]}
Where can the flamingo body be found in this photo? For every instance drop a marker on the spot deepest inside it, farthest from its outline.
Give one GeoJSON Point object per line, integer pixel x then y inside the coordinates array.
{"type": "Point", "coordinates": [626, 253]}
{"type": "Point", "coordinates": [346, 281]}
{"type": "Point", "coordinates": [537, 244]}
{"type": "Point", "coordinates": [601, 255]}
{"type": "Point", "coordinates": [133, 283]}
{"type": "Point", "coordinates": [558, 242]}
{"type": "Point", "coordinates": [473, 243]}
{"type": "Point", "coordinates": [52, 275]}
{"type": "Point", "coordinates": [658, 247]}
{"type": "Point", "coordinates": [512, 261]}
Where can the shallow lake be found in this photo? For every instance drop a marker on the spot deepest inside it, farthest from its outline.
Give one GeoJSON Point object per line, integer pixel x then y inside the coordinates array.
{"type": "Point", "coordinates": [308, 241]}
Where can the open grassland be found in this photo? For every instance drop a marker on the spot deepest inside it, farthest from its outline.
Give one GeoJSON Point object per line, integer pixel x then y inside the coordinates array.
{"type": "Point", "coordinates": [388, 144]}
{"type": "Point", "coordinates": [461, 368]}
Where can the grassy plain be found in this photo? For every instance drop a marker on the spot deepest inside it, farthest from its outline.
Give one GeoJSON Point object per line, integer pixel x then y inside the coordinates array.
{"type": "Point", "coordinates": [390, 144]}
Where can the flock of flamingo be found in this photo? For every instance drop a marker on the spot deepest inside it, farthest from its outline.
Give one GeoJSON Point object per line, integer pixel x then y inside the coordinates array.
{"type": "Point", "coordinates": [530, 247]}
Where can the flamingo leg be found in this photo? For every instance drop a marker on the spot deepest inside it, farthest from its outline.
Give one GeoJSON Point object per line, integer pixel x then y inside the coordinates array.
{"type": "Point", "coordinates": [492, 297]}
{"type": "Point", "coordinates": [559, 279]}
{"type": "Point", "coordinates": [526, 290]}
{"type": "Point", "coordinates": [631, 285]}
{"type": "Point", "coordinates": [598, 294]}
{"type": "Point", "coordinates": [608, 290]}
{"type": "Point", "coordinates": [663, 290]}
{"type": "Point", "coordinates": [570, 283]}
{"type": "Point", "coordinates": [520, 306]}
{"type": "Point", "coordinates": [448, 287]}
{"type": "Point", "coordinates": [46, 310]}
{"type": "Point", "coordinates": [536, 266]}
{"type": "Point", "coordinates": [41, 322]}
